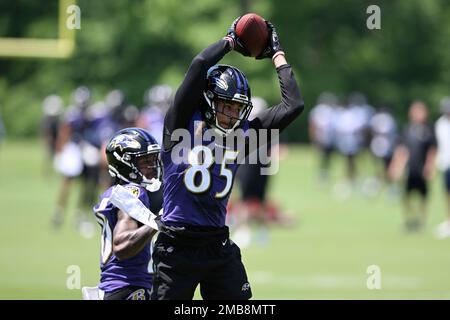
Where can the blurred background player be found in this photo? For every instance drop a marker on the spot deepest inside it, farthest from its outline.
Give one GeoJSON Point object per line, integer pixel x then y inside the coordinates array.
{"type": "Point", "coordinates": [126, 270]}
{"type": "Point", "coordinates": [252, 191]}
{"type": "Point", "coordinates": [252, 205]}
{"type": "Point", "coordinates": [352, 126]}
{"type": "Point", "coordinates": [52, 109]}
{"type": "Point", "coordinates": [442, 130]}
{"type": "Point", "coordinates": [68, 158]}
{"type": "Point", "coordinates": [102, 120]}
{"type": "Point", "coordinates": [97, 128]}
{"type": "Point", "coordinates": [322, 131]}
{"type": "Point", "coordinates": [118, 115]}
{"type": "Point", "coordinates": [157, 101]}
{"type": "Point", "coordinates": [122, 114]}
{"type": "Point", "coordinates": [416, 152]}
{"type": "Point", "coordinates": [100, 127]}
{"type": "Point", "coordinates": [384, 139]}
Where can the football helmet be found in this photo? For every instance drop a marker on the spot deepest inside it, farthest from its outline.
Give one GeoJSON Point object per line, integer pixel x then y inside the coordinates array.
{"type": "Point", "coordinates": [126, 153]}
{"type": "Point", "coordinates": [226, 83]}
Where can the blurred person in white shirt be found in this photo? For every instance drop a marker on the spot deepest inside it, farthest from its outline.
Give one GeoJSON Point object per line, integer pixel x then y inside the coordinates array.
{"type": "Point", "coordinates": [352, 124]}
{"type": "Point", "coordinates": [442, 131]}
{"type": "Point", "coordinates": [322, 130]}
{"type": "Point", "coordinates": [384, 137]}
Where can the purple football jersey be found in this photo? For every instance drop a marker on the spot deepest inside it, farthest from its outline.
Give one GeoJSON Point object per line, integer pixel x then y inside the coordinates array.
{"type": "Point", "coordinates": [74, 117]}
{"type": "Point", "coordinates": [188, 200]}
{"type": "Point", "coordinates": [115, 273]}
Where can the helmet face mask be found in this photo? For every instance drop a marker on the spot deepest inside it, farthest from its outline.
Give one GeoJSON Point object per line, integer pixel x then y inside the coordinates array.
{"type": "Point", "coordinates": [149, 169]}
{"type": "Point", "coordinates": [225, 88]}
{"type": "Point", "coordinates": [134, 156]}
{"type": "Point", "coordinates": [229, 113]}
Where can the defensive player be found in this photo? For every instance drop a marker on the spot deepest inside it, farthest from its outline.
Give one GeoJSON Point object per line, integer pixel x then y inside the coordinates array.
{"type": "Point", "coordinates": [134, 161]}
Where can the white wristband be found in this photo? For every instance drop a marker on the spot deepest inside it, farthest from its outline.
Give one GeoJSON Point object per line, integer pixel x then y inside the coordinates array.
{"type": "Point", "coordinates": [230, 41]}
{"type": "Point", "coordinates": [277, 54]}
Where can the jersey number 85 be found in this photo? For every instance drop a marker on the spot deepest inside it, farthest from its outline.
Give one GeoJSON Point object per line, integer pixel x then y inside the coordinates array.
{"type": "Point", "coordinates": [203, 169]}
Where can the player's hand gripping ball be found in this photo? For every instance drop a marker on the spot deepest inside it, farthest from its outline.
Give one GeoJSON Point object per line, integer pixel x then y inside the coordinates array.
{"type": "Point", "coordinates": [252, 30]}
{"type": "Point", "coordinates": [249, 35]}
{"type": "Point", "coordinates": [273, 47]}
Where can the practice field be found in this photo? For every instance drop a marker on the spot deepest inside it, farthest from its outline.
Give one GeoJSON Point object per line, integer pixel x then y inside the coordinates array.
{"type": "Point", "coordinates": [325, 255]}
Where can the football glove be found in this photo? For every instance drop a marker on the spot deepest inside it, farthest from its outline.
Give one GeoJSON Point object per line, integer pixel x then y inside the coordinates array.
{"type": "Point", "coordinates": [274, 47]}
{"type": "Point", "coordinates": [236, 42]}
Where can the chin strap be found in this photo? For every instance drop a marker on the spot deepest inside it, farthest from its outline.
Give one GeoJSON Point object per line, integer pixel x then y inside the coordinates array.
{"type": "Point", "coordinates": [151, 185]}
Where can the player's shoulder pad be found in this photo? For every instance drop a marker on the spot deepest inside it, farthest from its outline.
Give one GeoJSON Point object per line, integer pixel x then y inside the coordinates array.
{"type": "Point", "coordinates": [104, 204]}
{"type": "Point", "coordinates": [135, 189]}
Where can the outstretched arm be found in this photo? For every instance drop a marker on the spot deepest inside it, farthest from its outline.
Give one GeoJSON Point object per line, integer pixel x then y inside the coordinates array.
{"type": "Point", "coordinates": [291, 105]}
{"type": "Point", "coordinates": [281, 115]}
{"type": "Point", "coordinates": [189, 94]}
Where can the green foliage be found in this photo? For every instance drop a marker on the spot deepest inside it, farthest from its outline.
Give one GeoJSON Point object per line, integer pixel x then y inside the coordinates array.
{"type": "Point", "coordinates": [134, 45]}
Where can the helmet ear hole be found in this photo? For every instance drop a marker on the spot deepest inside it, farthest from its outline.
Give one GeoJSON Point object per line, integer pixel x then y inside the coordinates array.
{"type": "Point", "coordinates": [210, 95]}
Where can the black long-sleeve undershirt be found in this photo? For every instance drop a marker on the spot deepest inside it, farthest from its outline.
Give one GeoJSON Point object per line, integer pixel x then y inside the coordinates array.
{"type": "Point", "coordinates": [190, 94]}
{"type": "Point", "coordinates": [290, 107]}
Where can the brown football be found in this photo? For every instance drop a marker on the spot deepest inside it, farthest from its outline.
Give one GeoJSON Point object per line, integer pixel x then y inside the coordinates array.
{"type": "Point", "coordinates": [252, 30]}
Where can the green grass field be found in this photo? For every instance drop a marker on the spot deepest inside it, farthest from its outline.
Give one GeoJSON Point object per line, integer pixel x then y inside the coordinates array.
{"type": "Point", "coordinates": [324, 256]}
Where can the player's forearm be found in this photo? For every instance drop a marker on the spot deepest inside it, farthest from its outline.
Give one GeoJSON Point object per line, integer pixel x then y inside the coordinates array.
{"type": "Point", "coordinates": [213, 54]}
{"type": "Point", "coordinates": [190, 92]}
{"type": "Point", "coordinates": [291, 97]}
{"type": "Point", "coordinates": [130, 243]}
{"type": "Point", "coordinates": [291, 106]}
